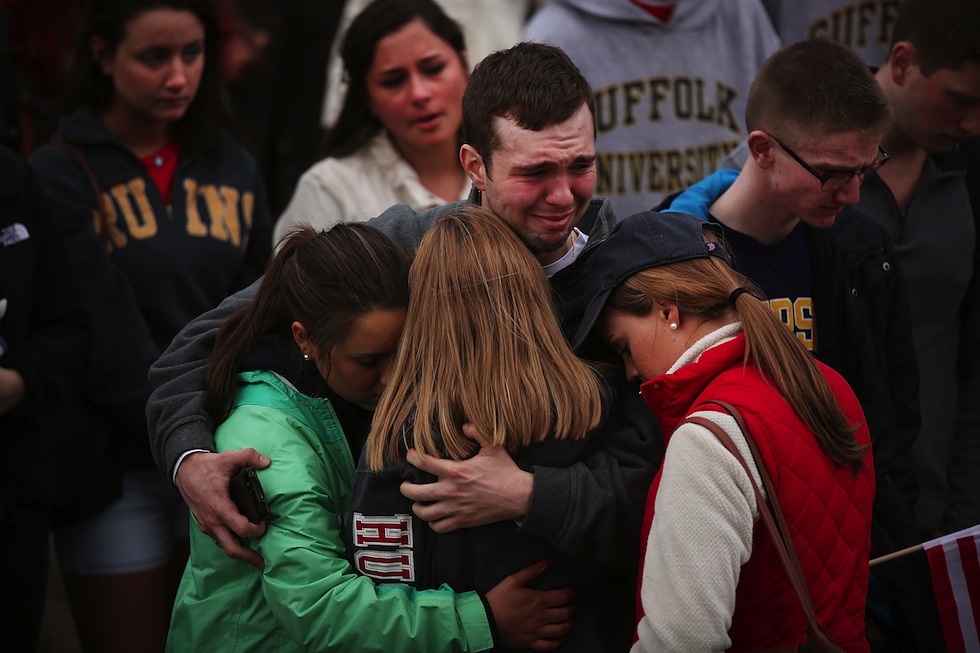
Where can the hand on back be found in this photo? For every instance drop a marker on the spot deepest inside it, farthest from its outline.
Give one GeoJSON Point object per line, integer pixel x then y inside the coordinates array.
{"type": "Point", "coordinates": [484, 489]}
{"type": "Point", "coordinates": [531, 619]}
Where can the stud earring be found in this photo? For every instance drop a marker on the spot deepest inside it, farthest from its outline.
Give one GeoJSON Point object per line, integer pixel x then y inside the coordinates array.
{"type": "Point", "coordinates": [673, 326]}
{"type": "Point", "coordinates": [306, 357]}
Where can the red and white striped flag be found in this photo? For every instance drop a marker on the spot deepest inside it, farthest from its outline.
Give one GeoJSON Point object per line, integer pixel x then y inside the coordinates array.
{"type": "Point", "coordinates": [955, 563]}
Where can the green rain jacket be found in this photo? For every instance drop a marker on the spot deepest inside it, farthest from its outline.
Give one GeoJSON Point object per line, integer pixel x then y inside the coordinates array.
{"type": "Point", "coordinates": [308, 598]}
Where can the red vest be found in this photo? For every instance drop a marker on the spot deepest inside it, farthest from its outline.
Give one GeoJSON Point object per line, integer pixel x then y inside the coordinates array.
{"type": "Point", "coordinates": [828, 508]}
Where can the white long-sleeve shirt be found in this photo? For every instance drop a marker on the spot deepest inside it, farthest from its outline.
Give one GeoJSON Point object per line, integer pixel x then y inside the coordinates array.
{"type": "Point", "coordinates": [701, 533]}
{"type": "Point", "coordinates": [356, 188]}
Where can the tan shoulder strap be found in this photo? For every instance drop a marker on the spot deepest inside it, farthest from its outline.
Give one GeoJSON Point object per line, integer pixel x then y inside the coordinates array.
{"type": "Point", "coordinates": [775, 524]}
{"type": "Point", "coordinates": [94, 181]}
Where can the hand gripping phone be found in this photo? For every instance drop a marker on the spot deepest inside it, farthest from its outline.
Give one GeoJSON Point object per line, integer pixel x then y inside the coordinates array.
{"type": "Point", "coordinates": [246, 492]}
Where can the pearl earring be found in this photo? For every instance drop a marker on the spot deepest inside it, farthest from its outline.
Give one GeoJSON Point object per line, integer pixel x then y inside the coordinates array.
{"type": "Point", "coordinates": [306, 357]}
{"type": "Point", "coordinates": [673, 326]}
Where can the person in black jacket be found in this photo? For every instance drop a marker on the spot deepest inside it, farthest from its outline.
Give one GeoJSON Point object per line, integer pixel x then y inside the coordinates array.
{"type": "Point", "coordinates": [44, 341]}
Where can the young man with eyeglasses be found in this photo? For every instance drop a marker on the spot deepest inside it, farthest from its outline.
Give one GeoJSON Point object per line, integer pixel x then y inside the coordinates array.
{"type": "Point", "coordinates": [816, 117]}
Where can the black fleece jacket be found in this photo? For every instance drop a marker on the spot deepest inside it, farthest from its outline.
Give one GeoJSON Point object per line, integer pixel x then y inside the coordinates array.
{"type": "Point", "coordinates": [44, 327]}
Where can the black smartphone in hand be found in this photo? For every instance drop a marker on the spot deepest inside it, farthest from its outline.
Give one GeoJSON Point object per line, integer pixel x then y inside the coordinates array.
{"type": "Point", "coordinates": [246, 492]}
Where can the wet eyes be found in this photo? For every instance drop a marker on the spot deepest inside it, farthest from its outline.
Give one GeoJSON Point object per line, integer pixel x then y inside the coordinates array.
{"type": "Point", "coordinates": [433, 69]}
{"type": "Point", "coordinates": [964, 101]}
{"type": "Point", "coordinates": [393, 81]}
{"type": "Point", "coordinates": [838, 178]}
{"type": "Point", "coordinates": [622, 347]}
{"type": "Point", "coordinates": [579, 168]}
{"type": "Point", "coordinates": [193, 52]}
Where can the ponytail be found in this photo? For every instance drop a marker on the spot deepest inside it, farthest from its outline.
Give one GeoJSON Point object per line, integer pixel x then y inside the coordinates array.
{"type": "Point", "coordinates": [780, 356]}
{"type": "Point", "coordinates": [707, 288]}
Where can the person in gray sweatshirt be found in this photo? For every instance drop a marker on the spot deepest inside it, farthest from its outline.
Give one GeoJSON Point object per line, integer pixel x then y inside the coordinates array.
{"type": "Point", "coordinates": [670, 80]}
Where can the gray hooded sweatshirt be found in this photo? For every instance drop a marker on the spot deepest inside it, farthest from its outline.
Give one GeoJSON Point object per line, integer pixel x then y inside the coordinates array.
{"type": "Point", "coordinates": [670, 94]}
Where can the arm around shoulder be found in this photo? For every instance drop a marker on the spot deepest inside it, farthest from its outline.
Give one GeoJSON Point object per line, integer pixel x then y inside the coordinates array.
{"type": "Point", "coordinates": [175, 413]}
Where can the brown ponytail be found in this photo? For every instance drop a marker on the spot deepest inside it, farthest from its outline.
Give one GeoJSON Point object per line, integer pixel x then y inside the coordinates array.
{"type": "Point", "coordinates": [705, 288]}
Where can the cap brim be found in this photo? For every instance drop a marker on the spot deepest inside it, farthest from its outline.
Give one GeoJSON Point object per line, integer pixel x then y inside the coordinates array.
{"type": "Point", "coordinates": [591, 316]}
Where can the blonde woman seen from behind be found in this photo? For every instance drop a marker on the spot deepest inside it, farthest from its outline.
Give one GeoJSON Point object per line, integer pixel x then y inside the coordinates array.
{"type": "Point", "coordinates": [482, 360]}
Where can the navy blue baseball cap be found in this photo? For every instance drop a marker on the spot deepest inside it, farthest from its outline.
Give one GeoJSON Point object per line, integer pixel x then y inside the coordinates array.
{"type": "Point", "coordinates": [644, 240]}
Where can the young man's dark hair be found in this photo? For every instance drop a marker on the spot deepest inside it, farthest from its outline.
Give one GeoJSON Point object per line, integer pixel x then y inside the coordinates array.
{"type": "Point", "coordinates": [535, 85]}
{"type": "Point", "coordinates": [792, 94]}
{"type": "Point", "coordinates": [946, 33]}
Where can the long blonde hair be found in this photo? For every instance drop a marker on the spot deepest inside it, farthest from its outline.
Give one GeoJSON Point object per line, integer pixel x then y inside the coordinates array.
{"type": "Point", "coordinates": [481, 344]}
{"type": "Point", "coordinates": [701, 288]}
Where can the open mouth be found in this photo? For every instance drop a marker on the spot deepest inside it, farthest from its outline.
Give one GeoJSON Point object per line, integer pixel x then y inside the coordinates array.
{"type": "Point", "coordinates": [429, 122]}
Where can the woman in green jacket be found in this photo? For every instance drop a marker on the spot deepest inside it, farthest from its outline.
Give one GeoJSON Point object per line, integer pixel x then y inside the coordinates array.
{"type": "Point", "coordinates": [297, 375]}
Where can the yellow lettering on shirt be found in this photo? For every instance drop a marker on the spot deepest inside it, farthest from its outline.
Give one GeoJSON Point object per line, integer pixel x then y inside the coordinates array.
{"type": "Point", "coordinates": [223, 209]}
{"type": "Point", "coordinates": [858, 24]}
{"type": "Point", "coordinates": [227, 214]}
{"type": "Point", "coordinates": [106, 222]}
{"type": "Point", "coordinates": [685, 99]}
{"type": "Point", "coordinates": [195, 227]}
{"type": "Point", "coordinates": [140, 224]}
{"type": "Point", "coordinates": [798, 316]}
{"type": "Point", "coordinates": [657, 171]}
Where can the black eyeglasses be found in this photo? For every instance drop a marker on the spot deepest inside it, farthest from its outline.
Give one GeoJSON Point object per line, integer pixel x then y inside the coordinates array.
{"type": "Point", "coordinates": [837, 180]}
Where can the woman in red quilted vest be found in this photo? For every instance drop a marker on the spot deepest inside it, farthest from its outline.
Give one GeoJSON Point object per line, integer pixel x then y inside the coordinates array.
{"type": "Point", "coordinates": [664, 297]}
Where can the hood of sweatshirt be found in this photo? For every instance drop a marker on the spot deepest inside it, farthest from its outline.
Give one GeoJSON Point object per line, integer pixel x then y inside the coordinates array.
{"type": "Point", "coordinates": [675, 14]}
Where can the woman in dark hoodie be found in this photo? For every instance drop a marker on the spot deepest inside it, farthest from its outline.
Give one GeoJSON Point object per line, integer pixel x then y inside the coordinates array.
{"type": "Point", "coordinates": [142, 166]}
